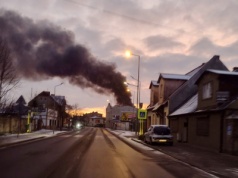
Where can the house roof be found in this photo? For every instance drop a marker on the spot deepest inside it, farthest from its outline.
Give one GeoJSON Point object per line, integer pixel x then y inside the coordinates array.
{"type": "Point", "coordinates": [188, 107]}
{"type": "Point", "coordinates": [149, 107]}
{"type": "Point", "coordinates": [21, 100]}
{"type": "Point", "coordinates": [153, 83]}
{"type": "Point", "coordinates": [44, 93]}
{"type": "Point", "coordinates": [191, 107]}
{"type": "Point", "coordinates": [173, 76]}
{"type": "Point", "coordinates": [189, 88]}
{"type": "Point", "coordinates": [96, 117]}
{"type": "Point", "coordinates": [59, 99]}
{"type": "Point", "coordinates": [156, 106]}
{"type": "Point", "coordinates": [194, 71]}
{"type": "Point", "coordinates": [222, 72]}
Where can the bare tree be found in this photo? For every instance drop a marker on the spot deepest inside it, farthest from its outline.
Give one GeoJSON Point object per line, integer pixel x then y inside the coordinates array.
{"type": "Point", "coordinates": [8, 76]}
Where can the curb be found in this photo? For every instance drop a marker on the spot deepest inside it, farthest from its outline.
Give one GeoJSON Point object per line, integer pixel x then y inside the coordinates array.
{"type": "Point", "coordinates": [6, 145]}
{"type": "Point", "coordinates": [20, 142]}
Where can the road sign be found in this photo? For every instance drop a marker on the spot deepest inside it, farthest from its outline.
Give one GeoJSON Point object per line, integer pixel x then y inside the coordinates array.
{"type": "Point", "coordinates": [142, 114]}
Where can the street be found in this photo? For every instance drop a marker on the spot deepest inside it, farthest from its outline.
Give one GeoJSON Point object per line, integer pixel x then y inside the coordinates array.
{"type": "Point", "coordinates": [90, 152]}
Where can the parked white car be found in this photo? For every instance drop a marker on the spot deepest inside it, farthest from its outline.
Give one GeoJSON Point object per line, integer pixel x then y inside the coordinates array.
{"type": "Point", "coordinates": [158, 134]}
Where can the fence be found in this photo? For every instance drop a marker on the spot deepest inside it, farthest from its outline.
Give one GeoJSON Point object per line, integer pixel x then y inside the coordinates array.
{"type": "Point", "coordinates": [12, 124]}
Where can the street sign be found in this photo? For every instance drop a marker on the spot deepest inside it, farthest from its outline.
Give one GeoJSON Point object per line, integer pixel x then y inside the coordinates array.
{"type": "Point", "coordinates": [142, 114]}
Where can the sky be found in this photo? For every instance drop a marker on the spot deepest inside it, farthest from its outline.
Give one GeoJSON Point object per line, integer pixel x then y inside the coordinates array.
{"type": "Point", "coordinates": [169, 36]}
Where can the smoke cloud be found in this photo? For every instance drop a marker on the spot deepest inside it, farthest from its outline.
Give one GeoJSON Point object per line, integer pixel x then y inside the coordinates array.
{"type": "Point", "coordinates": [42, 50]}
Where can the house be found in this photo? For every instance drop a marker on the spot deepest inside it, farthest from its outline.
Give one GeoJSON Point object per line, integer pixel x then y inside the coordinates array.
{"type": "Point", "coordinates": [189, 88]}
{"type": "Point", "coordinates": [209, 119]}
{"type": "Point", "coordinates": [95, 121]}
{"type": "Point", "coordinates": [154, 98]}
{"type": "Point", "coordinates": [168, 83]}
{"type": "Point", "coordinates": [160, 92]}
{"type": "Point", "coordinates": [121, 117]}
{"type": "Point", "coordinates": [47, 110]}
{"type": "Point", "coordinates": [176, 89]}
{"type": "Point", "coordinates": [92, 119]}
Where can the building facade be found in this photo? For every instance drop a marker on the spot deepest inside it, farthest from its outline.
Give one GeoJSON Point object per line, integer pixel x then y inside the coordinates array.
{"type": "Point", "coordinates": [209, 119]}
{"type": "Point", "coordinates": [48, 110]}
{"type": "Point", "coordinates": [121, 117]}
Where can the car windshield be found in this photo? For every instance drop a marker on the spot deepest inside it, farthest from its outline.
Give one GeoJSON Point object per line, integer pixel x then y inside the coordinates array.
{"type": "Point", "coordinates": [162, 130]}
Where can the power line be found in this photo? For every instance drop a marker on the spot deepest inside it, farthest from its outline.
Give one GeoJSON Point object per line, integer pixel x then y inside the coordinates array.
{"type": "Point", "coordinates": [133, 19]}
{"type": "Point", "coordinates": [119, 15]}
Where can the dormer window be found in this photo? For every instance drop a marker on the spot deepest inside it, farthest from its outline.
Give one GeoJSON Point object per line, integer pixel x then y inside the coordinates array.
{"type": "Point", "coordinates": [207, 91]}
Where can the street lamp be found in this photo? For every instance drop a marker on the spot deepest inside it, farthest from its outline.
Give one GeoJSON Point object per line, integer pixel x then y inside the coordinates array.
{"type": "Point", "coordinates": [128, 54]}
{"type": "Point", "coordinates": [57, 86]}
{"type": "Point", "coordinates": [126, 83]}
{"type": "Point", "coordinates": [54, 106]}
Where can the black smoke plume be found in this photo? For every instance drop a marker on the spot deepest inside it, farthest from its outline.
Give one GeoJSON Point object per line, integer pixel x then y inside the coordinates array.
{"type": "Point", "coordinates": [42, 50]}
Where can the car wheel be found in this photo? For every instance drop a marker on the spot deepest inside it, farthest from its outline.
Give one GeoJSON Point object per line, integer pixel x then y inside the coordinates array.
{"type": "Point", "coordinates": [151, 141]}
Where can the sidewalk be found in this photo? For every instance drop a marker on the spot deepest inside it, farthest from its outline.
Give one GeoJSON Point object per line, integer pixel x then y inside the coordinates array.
{"type": "Point", "coordinates": [218, 164]}
{"type": "Point", "coordinates": [11, 139]}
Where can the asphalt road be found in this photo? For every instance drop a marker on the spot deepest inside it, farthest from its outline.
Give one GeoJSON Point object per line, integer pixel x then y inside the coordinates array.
{"type": "Point", "coordinates": [89, 153]}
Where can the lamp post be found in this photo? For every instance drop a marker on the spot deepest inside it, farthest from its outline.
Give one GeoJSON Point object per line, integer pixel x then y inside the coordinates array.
{"type": "Point", "coordinates": [54, 107]}
{"type": "Point", "coordinates": [128, 54]}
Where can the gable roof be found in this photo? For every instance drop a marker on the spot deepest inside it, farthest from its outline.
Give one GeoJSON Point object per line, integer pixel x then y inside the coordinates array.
{"type": "Point", "coordinates": [173, 77]}
{"type": "Point", "coordinates": [21, 100]}
{"type": "Point", "coordinates": [153, 83]}
{"type": "Point", "coordinates": [189, 88]}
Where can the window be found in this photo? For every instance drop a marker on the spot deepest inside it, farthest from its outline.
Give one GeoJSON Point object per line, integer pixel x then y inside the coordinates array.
{"type": "Point", "coordinates": [207, 91]}
{"type": "Point", "coordinates": [162, 130]}
{"type": "Point", "coordinates": [203, 126]}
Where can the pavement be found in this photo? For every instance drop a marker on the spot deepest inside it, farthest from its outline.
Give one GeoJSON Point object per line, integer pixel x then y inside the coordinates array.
{"type": "Point", "coordinates": [218, 164]}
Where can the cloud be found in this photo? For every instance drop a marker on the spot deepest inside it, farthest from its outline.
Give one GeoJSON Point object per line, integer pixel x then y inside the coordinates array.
{"type": "Point", "coordinates": [170, 36]}
{"type": "Point", "coordinates": [173, 63]}
{"type": "Point", "coordinates": [205, 47]}
{"type": "Point", "coordinates": [161, 42]}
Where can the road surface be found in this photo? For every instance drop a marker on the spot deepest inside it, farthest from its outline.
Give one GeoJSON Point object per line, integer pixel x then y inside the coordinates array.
{"type": "Point", "coordinates": [90, 153]}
